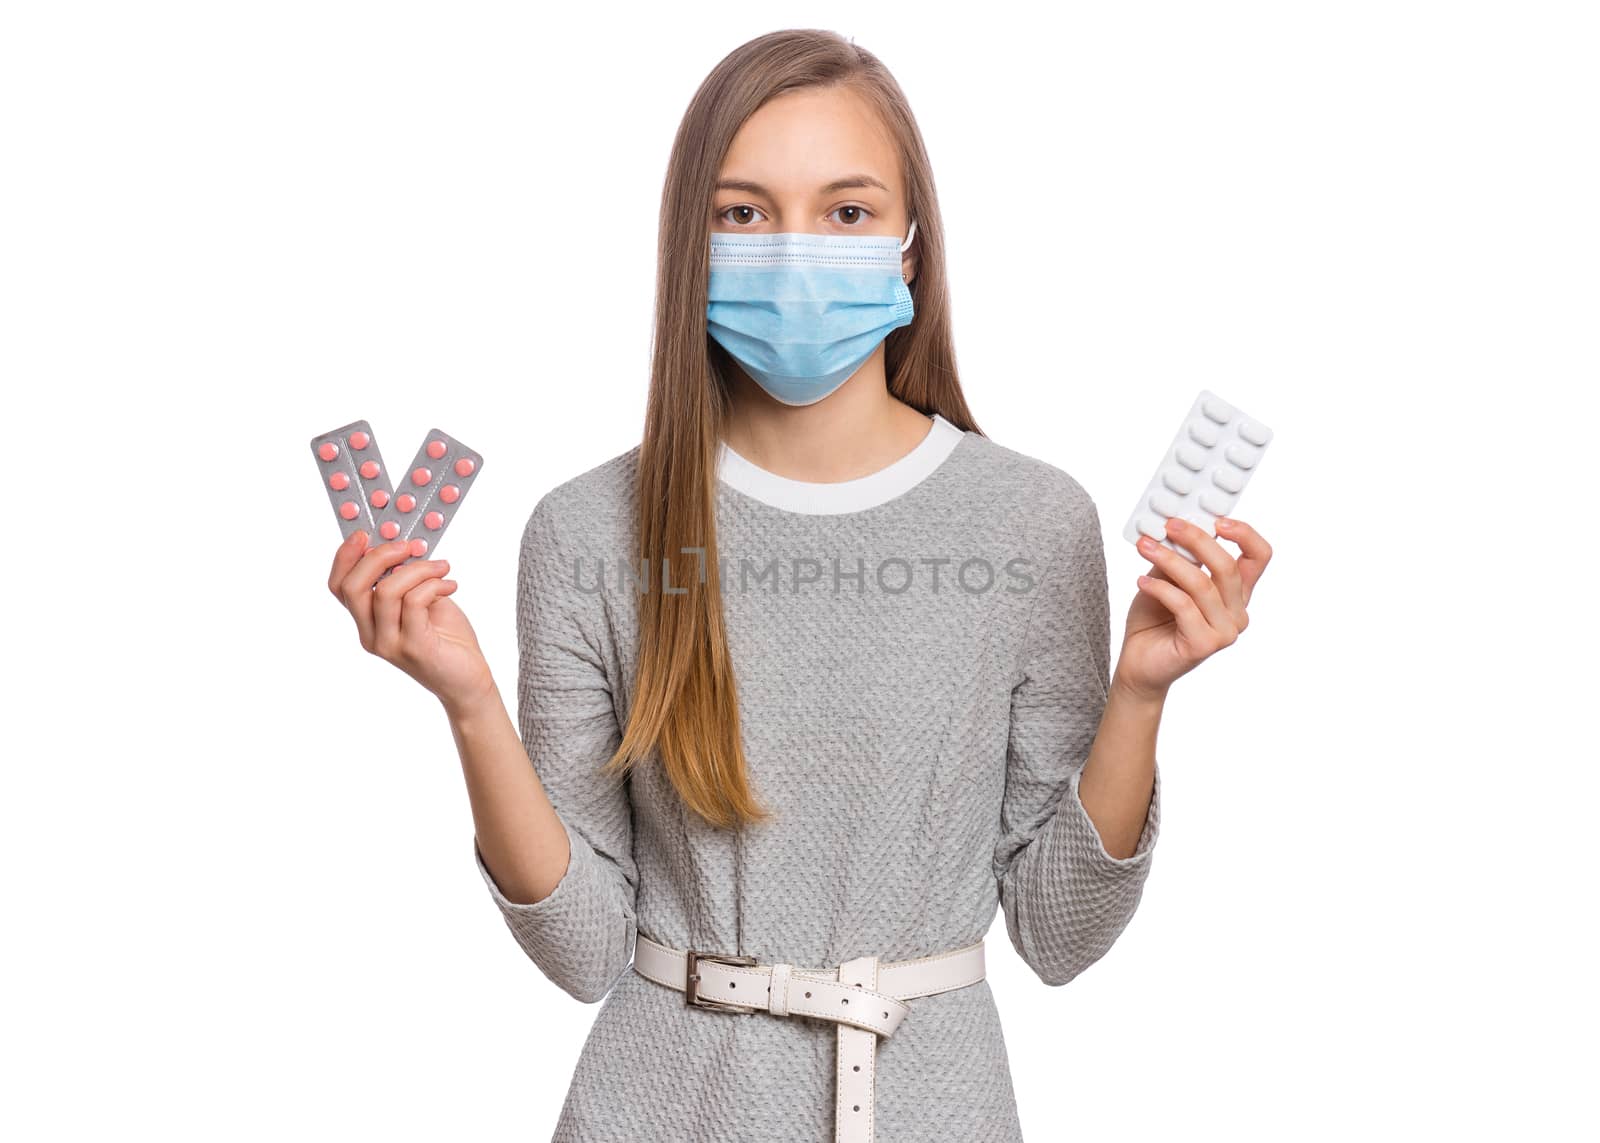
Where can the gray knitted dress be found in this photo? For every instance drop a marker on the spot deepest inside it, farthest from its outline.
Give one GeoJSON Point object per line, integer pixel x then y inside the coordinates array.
{"type": "Point", "coordinates": [922, 659]}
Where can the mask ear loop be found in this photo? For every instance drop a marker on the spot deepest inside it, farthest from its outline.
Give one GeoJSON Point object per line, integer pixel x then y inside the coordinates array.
{"type": "Point", "coordinates": [909, 235]}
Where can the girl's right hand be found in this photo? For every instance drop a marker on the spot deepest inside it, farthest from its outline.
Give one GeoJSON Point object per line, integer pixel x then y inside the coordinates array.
{"type": "Point", "coordinates": [408, 619]}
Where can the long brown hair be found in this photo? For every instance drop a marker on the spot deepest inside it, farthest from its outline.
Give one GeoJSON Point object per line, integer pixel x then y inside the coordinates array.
{"type": "Point", "coordinates": [685, 699]}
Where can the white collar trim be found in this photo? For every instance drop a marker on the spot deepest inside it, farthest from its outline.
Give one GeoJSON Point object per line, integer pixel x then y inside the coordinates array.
{"type": "Point", "coordinates": [827, 498]}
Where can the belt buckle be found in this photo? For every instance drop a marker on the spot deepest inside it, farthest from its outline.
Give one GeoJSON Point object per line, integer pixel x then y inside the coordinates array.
{"type": "Point", "coordinates": [691, 984]}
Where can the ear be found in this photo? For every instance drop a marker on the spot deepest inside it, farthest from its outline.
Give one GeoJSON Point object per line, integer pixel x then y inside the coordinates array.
{"type": "Point", "coordinates": [908, 265]}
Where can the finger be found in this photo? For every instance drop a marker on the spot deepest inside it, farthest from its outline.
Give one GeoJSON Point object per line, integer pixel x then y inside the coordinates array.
{"type": "Point", "coordinates": [355, 590]}
{"type": "Point", "coordinates": [414, 608]}
{"type": "Point", "coordinates": [353, 547]}
{"type": "Point", "coordinates": [1224, 568]}
{"type": "Point", "coordinates": [1254, 551]}
{"type": "Point", "coordinates": [1199, 586]}
{"type": "Point", "coordinates": [388, 596]}
{"type": "Point", "coordinates": [1192, 624]}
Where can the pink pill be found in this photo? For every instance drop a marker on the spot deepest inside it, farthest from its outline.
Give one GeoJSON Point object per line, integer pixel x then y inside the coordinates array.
{"type": "Point", "coordinates": [420, 476]}
{"type": "Point", "coordinates": [405, 502]}
{"type": "Point", "coordinates": [349, 509]}
{"type": "Point", "coordinates": [434, 520]}
{"type": "Point", "coordinates": [359, 440]}
{"type": "Point", "coordinates": [419, 546]}
{"type": "Point", "coordinates": [464, 466]}
{"type": "Point", "coordinates": [327, 450]}
{"type": "Point", "coordinates": [388, 529]}
{"type": "Point", "coordinates": [379, 498]}
{"type": "Point", "coordinates": [369, 469]}
{"type": "Point", "coordinates": [436, 449]}
{"type": "Point", "coordinates": [450, 493]}
{"type": "Point", "coordinates": [339, 481]}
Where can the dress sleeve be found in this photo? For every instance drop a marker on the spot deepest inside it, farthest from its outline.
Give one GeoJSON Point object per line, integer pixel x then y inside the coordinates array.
{"type": "Point", "coordinates": [1066, 899]}
{"type": "Point", "coordinates": [581, 936]}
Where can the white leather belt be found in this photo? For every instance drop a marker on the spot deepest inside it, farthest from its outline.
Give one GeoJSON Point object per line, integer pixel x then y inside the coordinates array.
{"type": "Point", "coordinates": [863, 996]}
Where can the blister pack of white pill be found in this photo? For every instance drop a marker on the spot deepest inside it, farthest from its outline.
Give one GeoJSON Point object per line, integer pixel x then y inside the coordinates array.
{"type": "Point", "coordinates": [417, 509]}
{"type": "Point", "coordinates": [1213, 456]}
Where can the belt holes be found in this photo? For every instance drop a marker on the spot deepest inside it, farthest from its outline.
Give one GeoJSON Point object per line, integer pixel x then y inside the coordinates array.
{"type": "Point", "coordinates": [808, 996]}
{"type": "Point", "coordinates": [855, 1067]}
{"type": "Point", "coordinates": [858, 1107]}
{"type": "Point", "coordinates": [845, 1000]}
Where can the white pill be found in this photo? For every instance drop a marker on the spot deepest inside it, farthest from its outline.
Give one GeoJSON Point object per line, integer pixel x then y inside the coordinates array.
{"type": "Point", "coordinates": [1166, 504]}
{"type": "Point", "coordinates": [1257, 435]}
{"type": "Point", "coordinates": [1177, 480]}
{"type": "Point", "coordinates": [1229, 479]}
{"type": "Point", "coordinates": [1242, 455]}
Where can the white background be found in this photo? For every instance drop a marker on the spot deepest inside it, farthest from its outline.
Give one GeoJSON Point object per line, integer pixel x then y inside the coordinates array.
{"type": "Point", "coordinates": [240, 897]}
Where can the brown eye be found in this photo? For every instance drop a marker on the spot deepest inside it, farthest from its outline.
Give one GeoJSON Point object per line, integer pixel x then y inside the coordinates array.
{"type": "Point", "coordinates": [742, 211]}
{"type": "Point", "coordinates": [858, 212]}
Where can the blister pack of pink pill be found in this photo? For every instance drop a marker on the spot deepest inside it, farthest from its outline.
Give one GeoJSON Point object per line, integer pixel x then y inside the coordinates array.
{"type": "Point", "coordinates": [1203, 473]}
{"type": "Point", "coordinates": [417, 509]}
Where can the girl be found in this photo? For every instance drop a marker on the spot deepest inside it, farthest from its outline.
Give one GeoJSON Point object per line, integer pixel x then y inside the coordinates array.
{"type": "Point", "coordinates": [815, 678]}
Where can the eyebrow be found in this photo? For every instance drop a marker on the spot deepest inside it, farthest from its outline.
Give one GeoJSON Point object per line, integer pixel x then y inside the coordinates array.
{"type": "Point", "coordinates": [837, 184]}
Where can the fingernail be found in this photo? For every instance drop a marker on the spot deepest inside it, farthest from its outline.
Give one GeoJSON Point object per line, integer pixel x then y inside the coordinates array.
{"type": "Point", "coordinates": [1224, 522]}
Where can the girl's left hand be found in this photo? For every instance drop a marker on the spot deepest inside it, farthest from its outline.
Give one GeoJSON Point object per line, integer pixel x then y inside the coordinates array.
{"type": "Point", "coordinates": [1182, 616]}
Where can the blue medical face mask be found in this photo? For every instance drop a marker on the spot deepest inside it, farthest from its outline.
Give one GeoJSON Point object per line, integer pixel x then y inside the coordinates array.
{"type": "Point", "coordinates": [803, 312]}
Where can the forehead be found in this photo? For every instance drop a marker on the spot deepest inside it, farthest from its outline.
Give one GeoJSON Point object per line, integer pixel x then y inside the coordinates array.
{"type": "Point", "coordinates": [802, 139]}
